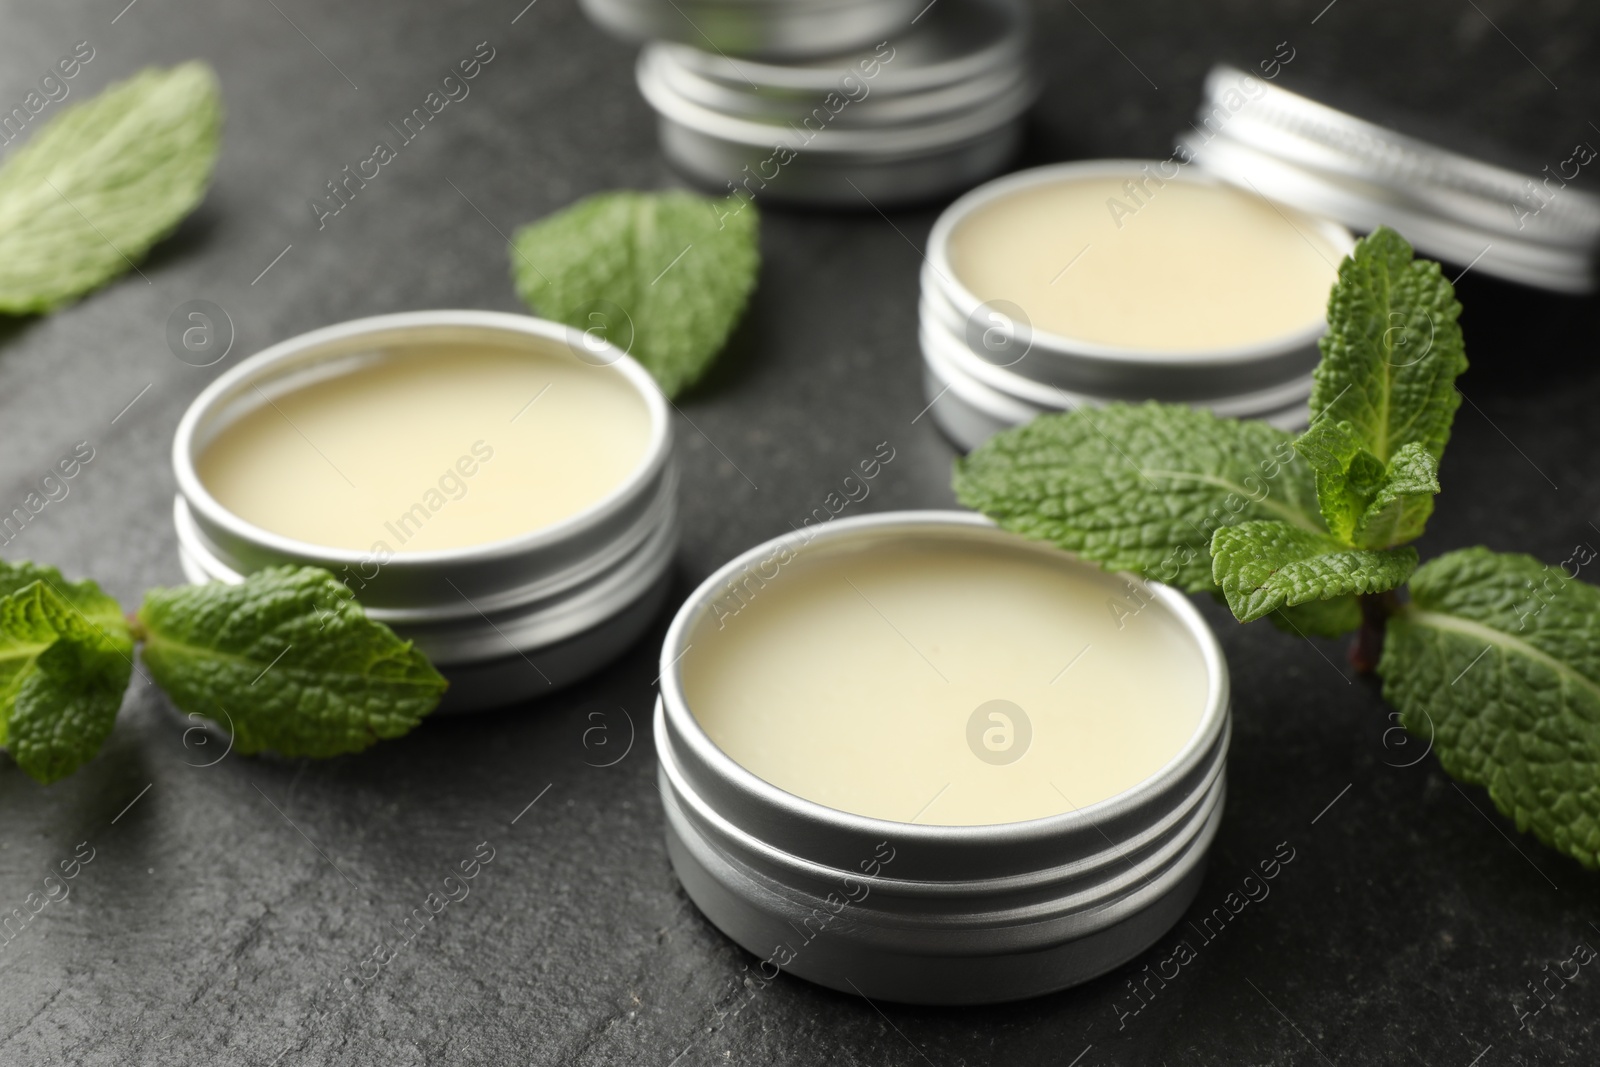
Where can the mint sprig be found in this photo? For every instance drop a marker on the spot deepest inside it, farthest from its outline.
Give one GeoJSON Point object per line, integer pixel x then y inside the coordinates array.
{"type": "Point", "coordinates": [292, 659]}
{"type": "Point", "coordinates": [663, 276]}
{"type": "Point", "coordinates": [286, 661]}
{"type": "Point", "coordinates": [1495, 658]}
{"type": "Point", "coordinates": [86, 197]}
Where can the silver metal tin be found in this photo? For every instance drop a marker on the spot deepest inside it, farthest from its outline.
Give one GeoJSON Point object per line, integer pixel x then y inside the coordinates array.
{"type": "Point", "coordinates": [942, 111]}
{"type": "Point", "coordinates": [504, 621]}
{"type": "Point", "coordinates": [976, 389]}
{"type": "Point", "coordinates": [1324, 161]}
{"type": "Point", "coordinates": [970, 411]}
{"type": "Point", "coordinates": [964, 914]}
{"type": "Point", "coordinates": [776, 29]}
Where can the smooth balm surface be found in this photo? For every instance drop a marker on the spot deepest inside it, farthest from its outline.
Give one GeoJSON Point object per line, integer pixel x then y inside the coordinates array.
{"type": "Point", "coordinates": [1183, 266]}
{"type": "Point", "coordinates": [852, 678]}
{"type": "Point", "coordinates": [427, 448]}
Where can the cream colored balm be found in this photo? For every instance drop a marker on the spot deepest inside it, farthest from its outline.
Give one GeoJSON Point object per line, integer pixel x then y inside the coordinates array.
{"type": "Point", "coordinates": [945, 680]}
{"type": "Point", "coordinates": [428, 448]}
{"type": "Point", "coordinates": [1144, 263]}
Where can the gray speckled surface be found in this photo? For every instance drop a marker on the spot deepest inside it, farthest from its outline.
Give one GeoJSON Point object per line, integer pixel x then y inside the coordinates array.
{"type": "Point", "coordinates": [221, 906]}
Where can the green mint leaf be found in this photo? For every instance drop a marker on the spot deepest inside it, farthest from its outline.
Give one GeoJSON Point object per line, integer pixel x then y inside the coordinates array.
{"type": "Point", "coordinates": [1367, 503]}
{"type": "Point", "coordinates": [1319, 618]}
{"type": "Point", "coordinates": [102, 182]}
{"type": "Point", "coordinates": [102, 614]}
{"type": "Point", "coordinates": [62, 674]}
{"type": "Point", "coordinates": [65, 708]}
{"type": "Point", "coordinates": [1496, 659]}
{"type": "Point", "coordinates": [1348, 475]}
{"type": "Point", "coordinates": [1139, 487]}
{"type": "Point", "coordinates": [287, 661]}
{"type": "Point", "coordinates": [1399, 510]}
{"type": "Point", "coordinates": [1264, 566]}
{"type": "Point", "coordinates": [1392, 352]}
{"type": "Point", "coordinates": [663, 276]}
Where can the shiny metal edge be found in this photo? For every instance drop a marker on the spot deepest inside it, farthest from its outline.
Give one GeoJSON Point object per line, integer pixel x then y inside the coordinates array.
{"type": "Point", "coordinates": [1238, 399]}
{"type": "Point", "coordinates": [840, 182]}
{"type": "Point", "coordinates": [456, 638]}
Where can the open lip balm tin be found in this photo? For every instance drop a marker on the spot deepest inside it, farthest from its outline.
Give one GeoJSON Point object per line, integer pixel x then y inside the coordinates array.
{"type": "Point", "coordinates": [906, 909]}
{"type": "Point", "coordinates": [989, 365]}
{"type": "Point", "coordinates": [505, 620]}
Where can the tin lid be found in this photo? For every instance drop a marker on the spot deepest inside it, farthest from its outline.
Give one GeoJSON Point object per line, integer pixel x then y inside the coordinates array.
{"type": "Point", "coordinates": [1527, 228]}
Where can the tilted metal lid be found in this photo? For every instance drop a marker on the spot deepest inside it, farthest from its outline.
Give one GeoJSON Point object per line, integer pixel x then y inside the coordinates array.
{"type": "Point", "coordinates": [1527, 228]}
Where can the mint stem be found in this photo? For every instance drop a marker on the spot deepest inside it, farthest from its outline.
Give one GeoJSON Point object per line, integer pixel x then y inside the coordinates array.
{"type": "Point", "coordinates": [1368, 645]}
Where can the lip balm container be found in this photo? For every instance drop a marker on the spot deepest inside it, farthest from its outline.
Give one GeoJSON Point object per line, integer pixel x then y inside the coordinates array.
{"type": "Point", "coordinates": [925, 109]}
{"type": "Point", "coordinates": [776, 29]}
{"type": "Point", "coordinates": [916, 757]}
{"type": "Point", "coordinates": [497, 488]}
{"type": "Point", "coordinates": [1078, 284]}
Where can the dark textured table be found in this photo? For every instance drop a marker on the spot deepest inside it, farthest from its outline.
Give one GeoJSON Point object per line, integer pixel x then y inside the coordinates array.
{"type": "Point", "coordinates": [224, 904]}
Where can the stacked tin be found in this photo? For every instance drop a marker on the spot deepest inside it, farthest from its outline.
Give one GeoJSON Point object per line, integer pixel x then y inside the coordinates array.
{"type": "Point", "coordinates": [832, 104]}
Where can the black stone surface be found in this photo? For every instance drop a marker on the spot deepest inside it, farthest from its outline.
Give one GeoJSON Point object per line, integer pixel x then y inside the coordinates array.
{"type": "Point", "coordinates": [223, 902]}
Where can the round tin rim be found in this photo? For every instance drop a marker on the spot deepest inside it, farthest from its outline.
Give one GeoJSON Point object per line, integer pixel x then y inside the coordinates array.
{"type": "Point", "coordinates": [936, 339]}
{"type": "Point", "coordinates": [683, 729]}
{"type": "Point", "coordinates": [966, 301]}
{"type": "Point", "coordinates": [912, 139]}
{"type": "Point", "coordinates": [880, 110]}
{"type": "Point", "coordinates": [200, 499]}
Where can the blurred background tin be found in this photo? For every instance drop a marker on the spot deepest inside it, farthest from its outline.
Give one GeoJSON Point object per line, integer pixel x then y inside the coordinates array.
{"type": "Point", "coordinates": [925, 110]}
{"type": "Point", "coordinates": [1519, 222]}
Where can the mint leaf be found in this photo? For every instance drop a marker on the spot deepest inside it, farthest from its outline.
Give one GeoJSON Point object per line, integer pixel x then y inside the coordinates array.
{"type": "Point", "coordinates": [1497, 659]}
{"type": "Point", "coordinates": [1139, 487]}
{"type": "Point", "coordinates": [65, 708]}
{"type": "Point", "coordinates": [1319, 618]}
{"type": "Point", "coordinates": [62, 676]}
{"type": "Point", "coordinates": [1263, 566]}
{"type": "Point", "coordinates": [1399, 510]}
{"type": "Point", "coordinates": [1366, 502]}
{"type": "Point", "coordinates": [287, 660]}
{"type": "Point", "coordinates": [1393, 350]}
{"type": "Point", "coordinates": [1348, 476]}
{"type": "Point", "coordinates": [664, 276]}
{"type": "Point", "coordinates": [102, 182]}
{"type": "Point", "coordinates": [102, 614]}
